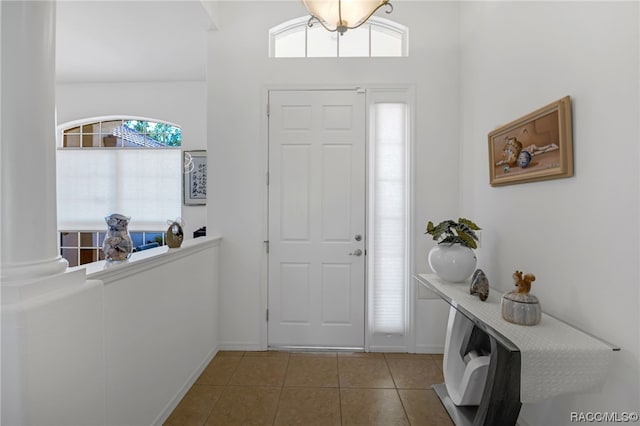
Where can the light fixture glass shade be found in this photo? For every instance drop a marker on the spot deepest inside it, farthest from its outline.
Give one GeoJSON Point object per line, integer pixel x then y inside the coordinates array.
{"type": "Point", "coordinates": [340, 15]}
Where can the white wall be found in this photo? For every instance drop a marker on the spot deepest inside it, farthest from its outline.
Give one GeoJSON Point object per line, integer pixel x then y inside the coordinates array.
{"type": "Point", "coordinates": [240, 72]}
{"type": "Point", "coordinates": [119, 348]}
{"type": "Point", "coordinates": [181, 103]}
{"type": "Point", "coordinates": [160, 332]}
{"type": "Point", "coordinates": [578, 235]}
{"type": "Point", "coordinates": [52, 362]}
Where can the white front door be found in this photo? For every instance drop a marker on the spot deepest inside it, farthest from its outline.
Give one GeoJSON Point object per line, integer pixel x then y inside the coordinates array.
{"type": "Point", "coordinates": [316, 218]}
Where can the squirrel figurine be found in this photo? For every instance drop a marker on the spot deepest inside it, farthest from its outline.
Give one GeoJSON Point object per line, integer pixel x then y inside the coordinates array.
{"type": "Point", "coordinates": [523, 282]}
{"type": "Point", "coordinates": [518, 306]}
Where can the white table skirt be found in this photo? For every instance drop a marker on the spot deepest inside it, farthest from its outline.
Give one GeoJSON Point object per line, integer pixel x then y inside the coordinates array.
{"type": "Point", "coordinates": [555, 357]}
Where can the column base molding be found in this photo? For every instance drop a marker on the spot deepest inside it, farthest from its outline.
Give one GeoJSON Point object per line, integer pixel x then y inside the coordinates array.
{"type": "Point", "coordinates": [33, 270]}
{"type": "Point", "coordinates": [25, 280]}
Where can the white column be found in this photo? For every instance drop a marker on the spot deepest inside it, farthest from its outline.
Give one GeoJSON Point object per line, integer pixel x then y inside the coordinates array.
{"type": "Point", "coordinates": [29, 218]}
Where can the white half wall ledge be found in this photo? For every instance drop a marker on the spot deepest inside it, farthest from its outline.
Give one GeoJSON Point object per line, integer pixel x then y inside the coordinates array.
{"type": "Point", "coordinates": [28, 289]}
{"type": "Point", "coordinates": [140, 261]}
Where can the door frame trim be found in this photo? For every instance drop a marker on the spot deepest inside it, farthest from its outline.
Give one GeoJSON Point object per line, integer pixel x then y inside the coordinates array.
{"type": "Point", "coordinates": [410, 338]}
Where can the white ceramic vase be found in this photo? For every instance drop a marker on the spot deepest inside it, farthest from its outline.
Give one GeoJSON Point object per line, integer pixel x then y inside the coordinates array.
{"type": "Point", "coordinates": [452, 262]}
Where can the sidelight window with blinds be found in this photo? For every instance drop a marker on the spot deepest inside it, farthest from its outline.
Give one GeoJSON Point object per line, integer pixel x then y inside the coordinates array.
{"type": "Point", "coordinates": [389, 217]}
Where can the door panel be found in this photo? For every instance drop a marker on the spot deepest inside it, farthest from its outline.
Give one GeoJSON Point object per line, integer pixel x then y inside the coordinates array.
{"type": "Point", "coordinates": [336, 192]}
{"type": "Point", "coordinates": [295, 216]}
{"type": "Point", "coordinates": [316, 208]}
{"type": "Point", "coordinates": [336, 294]}
{"type": "Point", "coordinates": [295, 282]}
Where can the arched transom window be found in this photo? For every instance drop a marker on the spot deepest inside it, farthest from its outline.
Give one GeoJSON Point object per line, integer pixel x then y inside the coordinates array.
{"type": "Point", "coordinates": [378, 37]}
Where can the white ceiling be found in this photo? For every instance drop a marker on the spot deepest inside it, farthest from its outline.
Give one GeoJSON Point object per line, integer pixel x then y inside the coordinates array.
{"type": "Point", "coordinates": [108, 41]}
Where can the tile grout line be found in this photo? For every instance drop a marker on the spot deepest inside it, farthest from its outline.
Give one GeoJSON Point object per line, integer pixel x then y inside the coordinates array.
{"type": "Point", "coordinates": [339, 388]}
{"type": "Point", "coordinates": [225, 387]}
{"type": "Point", "coordinates": [284, 378]}
{"type": "Point", "coordinates": [395, 387]}
{"type": "Point", "coordinates": [396, 382]}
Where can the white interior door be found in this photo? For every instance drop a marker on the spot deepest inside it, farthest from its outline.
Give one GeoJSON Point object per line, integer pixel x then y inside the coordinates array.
{"type": "Point", "coordinates": [316, 219]}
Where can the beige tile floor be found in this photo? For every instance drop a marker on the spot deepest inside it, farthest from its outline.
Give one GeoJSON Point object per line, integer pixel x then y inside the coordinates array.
{"type": "Point", "coordinates": [290, 388]}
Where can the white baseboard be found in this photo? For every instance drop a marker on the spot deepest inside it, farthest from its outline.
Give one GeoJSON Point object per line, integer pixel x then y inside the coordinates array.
{"type": "Point", "coordinates": [173, 403]}
{"type": "Point", "coordinates": [429, 349]}
{"type": "Point", "coordinates": [521, 422]}
{"type": "Point", "coordinates": [380, 348]}
{"type": "Point", "coordinates": [241, 346]}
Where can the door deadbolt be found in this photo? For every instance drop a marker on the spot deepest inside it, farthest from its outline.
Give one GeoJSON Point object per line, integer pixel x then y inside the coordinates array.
{"type": "Point", "coordinates": [358, 237]}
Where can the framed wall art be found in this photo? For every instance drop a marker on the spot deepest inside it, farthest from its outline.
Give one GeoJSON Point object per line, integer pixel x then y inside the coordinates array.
{"type": "Point", "coordinates": [195, 177]}
{"type": "Point", "coordinates": [535, 147]}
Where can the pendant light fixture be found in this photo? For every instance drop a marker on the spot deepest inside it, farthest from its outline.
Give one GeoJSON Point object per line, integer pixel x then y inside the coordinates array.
{"type": "Point", "coordinates": [342, 15]}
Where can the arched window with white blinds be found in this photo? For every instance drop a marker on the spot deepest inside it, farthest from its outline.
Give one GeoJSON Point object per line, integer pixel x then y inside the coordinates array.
{"type": "Point", "coordinates": [130, 166]}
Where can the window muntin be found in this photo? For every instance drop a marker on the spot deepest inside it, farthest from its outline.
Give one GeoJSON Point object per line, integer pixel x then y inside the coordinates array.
{"type": "Point", "coordinates": [386, 40]}
{"type": "Point", "coordinates": [122, 133]}
{"type": "Point", "coordinates": [321, 43]}
{"type": "Point", "coordinates": [357, 44]}
{"type": "Point", "coordinates": [378, 37]}
{"type": "Point", "coordinates": [80, 247]}
{"type": "Point", "coordinates": [289, 43]}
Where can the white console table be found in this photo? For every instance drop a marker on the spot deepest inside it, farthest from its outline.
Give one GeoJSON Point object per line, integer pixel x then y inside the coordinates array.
{"type": "Point", "coordinates": [527, 363]}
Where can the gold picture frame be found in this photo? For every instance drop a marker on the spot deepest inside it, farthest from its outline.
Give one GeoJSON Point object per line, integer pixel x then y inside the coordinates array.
{"type": "Point", "coordinates": [538, 146]}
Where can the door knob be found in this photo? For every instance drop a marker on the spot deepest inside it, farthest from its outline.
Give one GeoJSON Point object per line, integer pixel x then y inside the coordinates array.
{"type": "Point", "coordinates": [356, 252]}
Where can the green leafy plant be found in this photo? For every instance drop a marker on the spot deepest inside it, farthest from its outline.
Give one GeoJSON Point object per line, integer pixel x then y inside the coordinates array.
{"type": "Point", "coordinates": [460, 232]}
